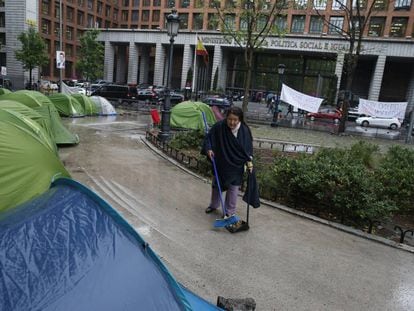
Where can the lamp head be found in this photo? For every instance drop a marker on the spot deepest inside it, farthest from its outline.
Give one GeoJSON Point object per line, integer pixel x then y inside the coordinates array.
{"type": "Point", "coordinates": [281, 69]}
{"type": "Point", "coordinates": [173, 23]}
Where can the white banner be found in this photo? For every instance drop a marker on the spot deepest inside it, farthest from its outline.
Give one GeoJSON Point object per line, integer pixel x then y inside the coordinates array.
{"type": "Point", "coordinates": [382, 109]}
{"type": "Point", "coordinates": [300, 100]}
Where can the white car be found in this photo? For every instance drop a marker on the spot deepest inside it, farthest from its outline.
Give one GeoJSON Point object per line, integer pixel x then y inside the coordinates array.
{"type": "Point", "coordinates": [392, 123]}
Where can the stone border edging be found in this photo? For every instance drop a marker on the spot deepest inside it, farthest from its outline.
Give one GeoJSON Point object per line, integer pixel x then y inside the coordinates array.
{"type": "Point", "coordinates": [359, 233]}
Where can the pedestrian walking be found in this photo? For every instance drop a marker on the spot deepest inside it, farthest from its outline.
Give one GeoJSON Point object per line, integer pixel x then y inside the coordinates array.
{"type": "Point", "coordinates": [230, 143]}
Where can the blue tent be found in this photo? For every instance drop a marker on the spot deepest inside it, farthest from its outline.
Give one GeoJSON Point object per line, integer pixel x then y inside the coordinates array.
{"type": "Point", "coordinates": [68, 249]}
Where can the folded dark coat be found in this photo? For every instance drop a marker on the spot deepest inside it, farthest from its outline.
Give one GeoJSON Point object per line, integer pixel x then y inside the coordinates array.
{"type": "Point", "coordinates": [230, 153]}
{"type": "Point", "coordinates": [251, 195]}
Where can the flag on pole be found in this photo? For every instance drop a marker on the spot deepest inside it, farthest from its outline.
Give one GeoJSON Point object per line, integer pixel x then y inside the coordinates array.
{"type": "Point", "coordinates": [201, 51]}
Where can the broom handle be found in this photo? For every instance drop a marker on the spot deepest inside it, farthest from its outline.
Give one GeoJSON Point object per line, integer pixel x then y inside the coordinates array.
{"type": "Point", "coordinates": [214, 167]}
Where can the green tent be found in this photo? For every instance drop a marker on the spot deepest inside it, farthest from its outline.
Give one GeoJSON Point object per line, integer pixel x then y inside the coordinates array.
{"type": "Point", "coordinates": [16, 112]}
{"type": "Point", "coordinates": [66, 105]}
{"type": "Point", "coordinates": [4, 91]}
{"type": "Point", "coordinates": [188, 115]}
{"type": "Point", "coordinates": [42, 105]}
{"type": "Point", "coordinates": [87, 104]}
{"type": "Point", "coordinates": [27, 161]}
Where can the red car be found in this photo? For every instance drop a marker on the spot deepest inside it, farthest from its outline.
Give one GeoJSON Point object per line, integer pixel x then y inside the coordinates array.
{"type": "Point", "coordinates": [326, 113]}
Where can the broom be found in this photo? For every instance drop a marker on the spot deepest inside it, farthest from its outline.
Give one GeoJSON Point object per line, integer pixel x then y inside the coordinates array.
{"type": "Point", "coordinates": [226, 220]}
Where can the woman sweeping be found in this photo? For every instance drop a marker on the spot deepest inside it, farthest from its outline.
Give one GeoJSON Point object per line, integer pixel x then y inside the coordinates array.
{"type": "Point", "coordinates": [230, 143]}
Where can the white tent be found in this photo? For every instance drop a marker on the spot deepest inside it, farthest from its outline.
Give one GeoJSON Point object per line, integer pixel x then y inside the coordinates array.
{"type": "Point", "coordinates": [105, 108]}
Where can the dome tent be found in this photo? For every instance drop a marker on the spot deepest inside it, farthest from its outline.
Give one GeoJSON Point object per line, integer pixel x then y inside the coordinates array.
{"type": "Point", "coordinates": [188, 115]}
{"type": "Point", "coordinates": [28, 161]}
{"type": "Point", "coordinates": [110, 267]}
{"type": "Point", "coordinates": [16, 112]}
{"type": "Point", "coordinates": [104, 107]}
{"type": "Point", "coordinates": [87, 104]}
{"type": "Point", "coordinates": [42, 105]}
{"type": "Point", "coordinates": [66, 105]}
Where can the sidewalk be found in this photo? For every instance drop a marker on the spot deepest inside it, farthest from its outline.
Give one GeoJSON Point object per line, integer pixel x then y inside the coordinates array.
{"type": "Point", "coordinates": [284, 262]}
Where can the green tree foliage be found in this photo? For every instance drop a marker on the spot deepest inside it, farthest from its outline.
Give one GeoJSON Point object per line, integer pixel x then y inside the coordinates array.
{"type": "Point", "coordinates": [91, 59]}
{"type": "Point", "coordinates": [257, 22]}
{"type": "Point", "coordinates": [33, 51]}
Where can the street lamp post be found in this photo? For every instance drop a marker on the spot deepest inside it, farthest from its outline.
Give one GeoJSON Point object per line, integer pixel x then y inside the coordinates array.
{"type": "Point", "coordinates": [280, 71]}
{"type": "Point", "coordinates": [173, 23]}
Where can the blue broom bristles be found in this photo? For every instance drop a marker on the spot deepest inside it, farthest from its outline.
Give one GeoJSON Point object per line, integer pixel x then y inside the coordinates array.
{"type": "Point", "coordinates": [226, 221]}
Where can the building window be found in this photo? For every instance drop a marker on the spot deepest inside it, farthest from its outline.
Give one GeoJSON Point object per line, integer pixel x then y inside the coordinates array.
{"type": "Point", "coordinates": [398, 26]}
{"type": "Point", "coordinates": [356, 24]}
{"type": "Point", "coordinates": [135, 3]}
{"type": "Point", "coordinates": [45, 26]}
{"type": "Point", "coordinates": [402, 4]}
{"type": "Point", "coordinates": [115, 15]}
{"type": "Point", "coordinates": [90, 5]}
{"type": "Point", "coordinates": [80, 18]}
{"type": "Point", "coordinates": [184, 21]}
{"type": "Point", "coordinates": [98, 22]}
{"type": "Point", "coordinates": [298, 24]}
{"type": "Point", "coordinates": [244, 23]}
{"type": "Point", "coordinates": [335, 25]}
{"type": "Point", "coordinates": [107, 11]}
{"type": "Point", "coordinates": [69, 33]}
{"type": "Point", "coordinates": [57, 10]}
{"type": "Point", "coordinates": [230, 4]}
{"type": "Point", "coordinates": [316, 24]}
{"type": "Point", "coordinates": [81, 2]}
{"type": "Point", "coordinates": [381, 5]}
{"type": "Point", "coordinates": [212, 3]}
{"type": "Point", "coordinates": [146, 3]}
{"type": "Point", "coordinates": [99, 7]}
{"type": "Point", "coordinates": [319, 4]}
{"type": "Point", "coordinates": [184, 3]}
{"type": "Point", "coordinates": [376, 27]}
{"type": "Point", "coordinates": [125, 2]}
{"type": "Point", "coordinates": [69, 14]}
{"type": "Point", "coordinates": [213, 21]}
{"type": "Point", "coordinates": [338, 4]}
{"type": "Point", "coordinates": [198, 4]}
{"type": "Point", "coordinates": [2, 3]}
{"type": "Point", "coordinates": [57, 29]}
{"type": "Point", "coordinates": [156, 3]}
{"type": "Point", "coordinates": [362, 4]}
{"type": "Point", "coordinates": [230, 21]}
{"type": "Point", "coordinates": [134, 16]}
{"type": "Point", "coordinates": [124, 16]}
{"type": "Point", "coordinates": [2, 39]}
{"type": "Point", "coordinates": [300, 4]}
{"type": "Point", "coordinates": [197, 21]}
{"type": "Point", "coordinates": [91, 22]}
{"type": "Point", "coordinates": [45, 7]}
{"type": "Point", "coordinates": [107, 24]}
{"type": "Point", "coordinates": [145, 16]}
{"type": "Point", "coordinates": [156, 16]}
{"type": "Point", "coordinates": [69, 50]}
{"type": "Point", "coordinates": [281, 23]}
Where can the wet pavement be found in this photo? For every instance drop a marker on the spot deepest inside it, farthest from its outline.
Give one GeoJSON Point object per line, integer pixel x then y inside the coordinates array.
{"type": "Point", "coordinates": [284, 262]}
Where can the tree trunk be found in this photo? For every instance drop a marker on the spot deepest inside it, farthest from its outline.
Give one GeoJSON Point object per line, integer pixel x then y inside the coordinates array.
{"type": "Point", "coordinates": [30, 78]}
{"type": "Point", "coordinates": [247, 78]}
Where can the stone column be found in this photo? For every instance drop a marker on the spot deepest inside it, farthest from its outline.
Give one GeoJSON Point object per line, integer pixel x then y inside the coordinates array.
{"type": "Point", "coordinates": [187, 63]}
{"type": "Point", "coordinates": [217, 60]}
{"type": "Point", "coordinates": [133, 63]}
{"type": "Point", "coordinates": [159, 64]}
{"type": "Point", "coordinates": [339, 68]}
{"type": "Point", "coordinates": [109, 61]}
{"type": "Point", "coordinates": [222, 77]}
{"type": "Point", "coordinates": [121, 64]}
{"type": "Point", "coordinates": [375, 85]}
{"type": "Point", "coordinates": [144, 64]}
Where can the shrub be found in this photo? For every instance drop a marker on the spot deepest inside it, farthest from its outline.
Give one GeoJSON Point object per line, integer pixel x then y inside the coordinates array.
{"type": "Point", "coordinates": [188, 140]}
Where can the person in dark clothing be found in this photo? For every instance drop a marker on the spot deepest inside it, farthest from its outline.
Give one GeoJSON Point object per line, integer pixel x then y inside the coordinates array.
{"type": "Point", "coordinates": [230, 142]}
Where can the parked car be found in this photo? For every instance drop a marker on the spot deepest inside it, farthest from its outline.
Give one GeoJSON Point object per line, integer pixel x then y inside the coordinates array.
{"type": "Point", "coordinates": [217, 101]}
{"type": "Point", "coordinates": [147, 95]}
{"type": "Point", "coordinates": [115, 91]}
{"type": "Point", "coordinates": [392, 123]}
{"type": "Point", "coordinates": [326, 113]}
{"type": "Point", "coordinates": [175, 98]}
